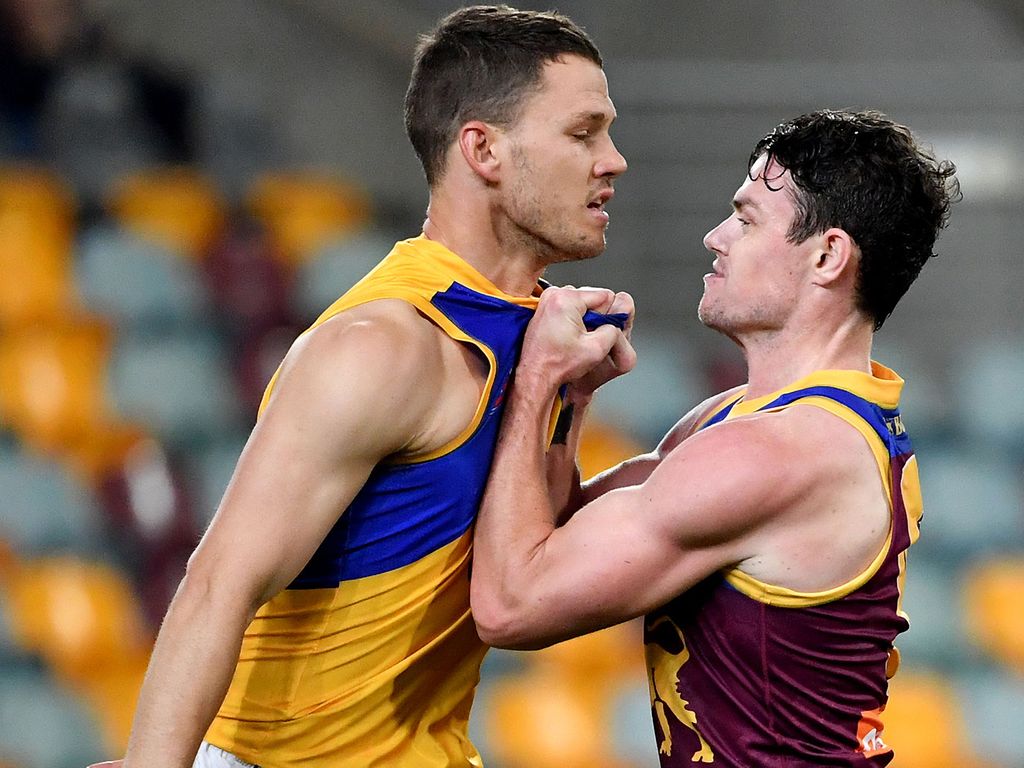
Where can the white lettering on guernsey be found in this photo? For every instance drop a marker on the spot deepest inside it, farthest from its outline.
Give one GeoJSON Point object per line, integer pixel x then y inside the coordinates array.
{"type": "Point", "coordinates": [872, 743]}
{"type": "Point", "coordinates": [895, 425]}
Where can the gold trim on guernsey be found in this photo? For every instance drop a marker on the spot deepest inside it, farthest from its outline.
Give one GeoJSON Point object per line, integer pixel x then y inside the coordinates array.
{"type": "Point", "coordinates": [427, 268]}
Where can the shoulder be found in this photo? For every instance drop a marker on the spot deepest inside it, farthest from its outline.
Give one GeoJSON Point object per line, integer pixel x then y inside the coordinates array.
{"type": "Point", "coordinates": [752, 471]}
{"type": "Point", "coordinates": [383, 339]}
{"type": "Point", "coordinates": [374, 360]}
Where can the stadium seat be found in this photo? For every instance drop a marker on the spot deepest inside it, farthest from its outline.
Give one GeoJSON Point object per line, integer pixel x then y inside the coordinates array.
{"type": "Point", "coordinates": [924, 723]}
{"type": "Point", "coordinates": [45, 507]}
{"type": "Point", "coordinates": [993, 707]}
{"type": "Point", "coordinates": [988, 382]}
{"type": "Point", "coordinates": [35, 261]}
{"type": "Point", "coordinates": [335, 267]}
{"type": "Point", "coordinates": [603, 446]}
{"type": "Point", "coordinates": [972, 501]}
{"type": "Point", "coordinates": [81, 617]}
{"type": "Point", "coordinates": [631, 725]}
{"type": "Point", "coordinates": [993, 605]}
{"type": "Point", "coordinates": [138, 282]}
{"type": "Point", "coordinates": [52, 382]}
{"type": "Point", "coordinates": [112, 697]}
{"type": "Point", "coordinates": [149, 513]}
{"type": "Point", "coordinates": [178, 384]}
{"type": "Point", "coordinates": [258, 355]}
{"type": "Point", "coordinates": [303, 212]}
{"type": "Point", "coordinates": [937, 634]}
{"type": "Point", "coordinates": [176, 206]}
{"type": "Point", "coordinates": [925, 405]}
{"type": "Point", "coordinates": [558, 712]}
{"type": "Point", "coordinates": [43, 726]}
{"type": "Point", "coordinates": [94, 131]}
{"type": "Point", "coordinates": [208, 471]}
{"type": "Point", "coordinates": [542, 720]}
{"type": "Point", "coordinates": [38, 193]}
{"type": "Point", "coordinates": [249, 284]}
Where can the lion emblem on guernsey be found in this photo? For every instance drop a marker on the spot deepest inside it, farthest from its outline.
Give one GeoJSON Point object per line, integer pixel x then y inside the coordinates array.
{"type": "Point", "coordinates": [664, 669]}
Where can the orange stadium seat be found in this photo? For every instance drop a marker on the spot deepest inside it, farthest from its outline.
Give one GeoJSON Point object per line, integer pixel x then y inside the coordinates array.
{"type": "Point", "coordinates": [924, 725]}
{"type": "Point", "coordinates": [37, 192]}
{"type": "Point", "coordinates": [544, 720]}
{"type": "Point", "coordinates": [602, 446]}
{"type": "Point", "coordinates": [175, 205]}
{"type": "Point", "coordinates": [35, 261]}
{"type": "Point", "coordinates": [559, 712]}
{"type": "Point", "coordinates": [305, 212]}
{"type": "Point", "coordinates": [993, 600]}
{"type": "Point", "coordinates": [37, 214]}
{"type": "Point", "coordinates": [84, 620]}
{"type": "Point", "coordinates": [52, 382]}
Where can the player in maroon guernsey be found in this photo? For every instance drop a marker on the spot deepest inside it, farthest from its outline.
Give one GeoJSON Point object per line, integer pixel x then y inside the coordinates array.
{"type": "Point", "coordinates": [765, 538]}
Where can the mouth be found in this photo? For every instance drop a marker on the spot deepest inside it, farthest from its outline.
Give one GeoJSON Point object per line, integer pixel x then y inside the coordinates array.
{"type": "Point", "coordinates": [716, 271]}
{"type": "Point", "coordinates": [597, 204]}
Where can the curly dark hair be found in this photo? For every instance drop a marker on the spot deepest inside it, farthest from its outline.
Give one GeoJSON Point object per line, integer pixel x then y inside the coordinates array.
{"type": "Point", "coordinates": [867, 175]}
{"type": "Point", "coordinates": [478, 64]}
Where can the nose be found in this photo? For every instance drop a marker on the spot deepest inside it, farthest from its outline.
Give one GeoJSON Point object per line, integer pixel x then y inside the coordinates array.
{"type": "Point", "coordinates": [713, 240]}
{"type": "Point", "coordinates": [611, 163]}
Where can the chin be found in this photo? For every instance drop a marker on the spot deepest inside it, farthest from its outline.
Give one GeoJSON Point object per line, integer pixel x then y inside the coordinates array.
{"type": "Point", "coordinates": [581, 251]}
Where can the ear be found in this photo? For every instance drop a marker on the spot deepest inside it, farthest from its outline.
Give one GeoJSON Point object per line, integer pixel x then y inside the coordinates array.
{"type": "Point", "coordinates": [836, 257]}
{"type": "Point", "coordinates": [476, 142]}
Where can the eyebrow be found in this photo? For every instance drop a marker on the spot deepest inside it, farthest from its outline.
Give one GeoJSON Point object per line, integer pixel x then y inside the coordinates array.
{"type": "Point", "coordinates": [740, 203]}
{"type": "Point", "coordinates": [593, 117]}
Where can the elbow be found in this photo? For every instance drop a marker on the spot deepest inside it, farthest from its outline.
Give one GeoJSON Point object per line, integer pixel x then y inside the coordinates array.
{"type": "Point", "coordinates": [205, 587]}
{"type": "Point", "coordinates": [503, 623]}
{"type": "Point", "coordinates": [494, 626]}
{"type": "Point", "coordinates": [494, 613]}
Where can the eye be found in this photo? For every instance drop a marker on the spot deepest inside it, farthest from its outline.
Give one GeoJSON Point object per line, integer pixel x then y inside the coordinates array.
{"type": "Point", "coordinates": [582, 135]}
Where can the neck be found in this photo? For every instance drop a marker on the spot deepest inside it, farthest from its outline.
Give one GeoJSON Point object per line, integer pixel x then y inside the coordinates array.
{"type": "Point", "coordinates": [468, 230]}
{"type": "Point", "coordinates": [777, 359]}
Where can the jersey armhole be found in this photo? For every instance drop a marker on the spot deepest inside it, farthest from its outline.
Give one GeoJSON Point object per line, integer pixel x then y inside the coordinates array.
{"type": "Point", "coordinates": [436, 316]}
{"type": "Point", "coordinates": [783, 597]}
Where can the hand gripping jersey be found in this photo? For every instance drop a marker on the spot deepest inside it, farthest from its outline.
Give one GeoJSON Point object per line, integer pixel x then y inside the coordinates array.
{"type": "Point", "coordinates": [370, 657]}
{"type": "Point", "coordinates": [746, 674]}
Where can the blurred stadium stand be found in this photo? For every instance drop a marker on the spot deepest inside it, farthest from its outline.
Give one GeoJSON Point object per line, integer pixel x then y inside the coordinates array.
{"type": "Point", "coordinates": [178, 200]}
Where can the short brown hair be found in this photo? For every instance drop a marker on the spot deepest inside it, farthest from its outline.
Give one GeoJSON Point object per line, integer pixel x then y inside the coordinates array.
{"type": "Point", "coordinates": [478, 64]}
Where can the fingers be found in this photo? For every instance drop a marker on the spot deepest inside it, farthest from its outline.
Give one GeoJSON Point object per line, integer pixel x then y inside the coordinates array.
{"type": "Point", "coordinates": [579, 299]}
{"type": "Point", "coordinates": [623, 303]}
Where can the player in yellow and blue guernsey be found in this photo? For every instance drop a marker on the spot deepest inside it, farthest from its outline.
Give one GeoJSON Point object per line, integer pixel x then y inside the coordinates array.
{"type": "Point", "coordinates": [324, 619]}
{"type": "Point", "coordinates": [765, 540]}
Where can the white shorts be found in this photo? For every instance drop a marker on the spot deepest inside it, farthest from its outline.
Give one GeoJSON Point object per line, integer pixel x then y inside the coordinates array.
{"type": "Point", "coordinates": [210, 756]}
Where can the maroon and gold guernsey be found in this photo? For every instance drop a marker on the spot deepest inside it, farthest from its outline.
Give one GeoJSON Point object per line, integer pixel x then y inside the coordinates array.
{"type": "Point", "coordinates": [745, 674]}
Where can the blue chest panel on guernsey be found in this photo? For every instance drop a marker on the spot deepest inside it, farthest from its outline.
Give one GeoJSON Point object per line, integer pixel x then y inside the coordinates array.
{"type": "Point", "coordinates": [406, 511]}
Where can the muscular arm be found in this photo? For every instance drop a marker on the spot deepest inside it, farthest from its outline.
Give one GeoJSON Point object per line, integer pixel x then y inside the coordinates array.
{"type": "Point", "coordinates": [351, 392]}
{"type": "Point", "coordinates": [709, 503]}
{"type": "Point", "coordinates": [624, 553]}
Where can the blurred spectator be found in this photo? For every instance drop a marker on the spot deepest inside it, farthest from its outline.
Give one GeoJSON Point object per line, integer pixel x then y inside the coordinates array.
{"type": "Point", "coordinates": [70, 97]}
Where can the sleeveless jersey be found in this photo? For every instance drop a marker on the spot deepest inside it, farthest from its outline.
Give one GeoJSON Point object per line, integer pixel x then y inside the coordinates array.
{"type": "Point", "coordinates": [744, 673]}
{"type": "Point", "coordinates": [370, 657]}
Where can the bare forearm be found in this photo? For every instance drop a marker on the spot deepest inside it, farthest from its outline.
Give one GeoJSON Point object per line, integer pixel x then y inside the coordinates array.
{"type": "Point", "coordinates": [189, 673]}
{"type": "Point", "coordinates": [517, 514]}
{"type": "Point", "coordinates": [563, 473]}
